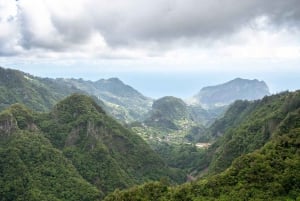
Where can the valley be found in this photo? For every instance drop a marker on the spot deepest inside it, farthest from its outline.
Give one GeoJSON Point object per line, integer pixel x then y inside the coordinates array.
{"type": "Point", "coordinates": [113, 143]}
{"type": "Point", "coordinates": [126, 100]}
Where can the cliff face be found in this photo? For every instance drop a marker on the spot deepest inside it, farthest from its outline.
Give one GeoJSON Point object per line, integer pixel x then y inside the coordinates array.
{"type": "Point", "coordinates": [8, 124]}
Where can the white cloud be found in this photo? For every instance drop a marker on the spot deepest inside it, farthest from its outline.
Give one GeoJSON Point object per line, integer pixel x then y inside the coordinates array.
{"type": "Point", "coordinates": [9, 32]}
{"type": "Point", "coordinates": [177, 34]}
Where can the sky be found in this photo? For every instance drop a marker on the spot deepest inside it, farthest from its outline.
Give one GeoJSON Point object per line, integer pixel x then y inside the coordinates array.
{"type": "Point", "coordinates": [160, 47]}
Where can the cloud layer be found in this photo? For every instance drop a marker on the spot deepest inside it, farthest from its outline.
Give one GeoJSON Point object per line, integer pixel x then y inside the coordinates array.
{"type": "Point", "coordinates": [137, 28]}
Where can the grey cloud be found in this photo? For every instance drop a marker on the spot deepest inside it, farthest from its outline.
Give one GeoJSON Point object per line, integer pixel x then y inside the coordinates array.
{"type": "Point", "coordinates": [66, 32]}
{"type": "Point", "coordinates": [162, 22]}
{"type": "Point", "coordinates": [30, 38]}
{"type": "Point", "coordinates": [74, 31]}
{"type": "Point", "coordinates": [194, 19]}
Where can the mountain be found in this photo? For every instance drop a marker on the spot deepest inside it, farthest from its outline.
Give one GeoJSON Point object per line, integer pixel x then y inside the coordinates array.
{"type": "Point", "coordinates": [212, 102]}
{"type": "Point", "coordinates": [170, 107]}
{"type": "Point", "coordinates": [256, 158]}
{"type": "Point", "coordinates": [31, 168]}
{"type": "Point", "coordinates": [124, 102]}
{"type": "Point", "coordinates": [34, 92]}
{"type": "Point", "coordinates": [74, 152]}
{"type": "Point", "coordinates": [166, 128]}
{"type": "Point", "coordinates": [169, 121]}
{"type": "Point", "coordinates": [247, 126]}
{"type": "Point", "coordinates": [166, 111]}
{"type": "Point", "coordinates": [224, 94]}
{"type": "Point", "coordinates": [41, 94]}
{"type": "Point", "coordinates": [104, 152]}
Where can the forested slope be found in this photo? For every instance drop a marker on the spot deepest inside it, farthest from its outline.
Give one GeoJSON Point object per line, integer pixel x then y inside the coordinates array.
{"type": "Point", "coordinates": [74, 152]}
{"type": "Point", "coordinates": [266, 159]}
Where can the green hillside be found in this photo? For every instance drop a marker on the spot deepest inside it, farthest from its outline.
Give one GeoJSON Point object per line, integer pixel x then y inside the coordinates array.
{"type": "Point", "coordinates": [124, 102]}
{"type": "Point", "coordinates": [169, 128]}
{"type": "Point", "coordinates": [36, 93]}
{"type": "Point", "coordinates": [74, 152]}
{"type": "Point", "coordinates": [247, 126]}
{"type": "Point", "coordinates": [41, 94]}
{"type": "Point", "coordinates": [31, 168]}
{"type": "Point", "coordinates": [264, 149]}
{"type": "Point", "coordinates": [104, 152]}
{"type": "Point", "coordinates": [169, 121]}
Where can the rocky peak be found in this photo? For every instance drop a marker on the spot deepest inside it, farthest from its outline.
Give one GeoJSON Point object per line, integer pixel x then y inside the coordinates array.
{"type": "Point", "coordinates": [226, 93]}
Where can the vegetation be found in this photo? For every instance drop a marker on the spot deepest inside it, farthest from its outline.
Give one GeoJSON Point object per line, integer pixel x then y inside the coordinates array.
{"type": "Point", "coordinates": [268, 173]}
{"type": "Point", "coordinates": [124, 103]}
{"type": "Point", "coordinates": [41, 94]}
{"type": "Point", "coordinates": [31, 168]}
{"type": "Point", "coordinates": [103, 151]}
{"type": "Point", "coordinates": [186, 157]}
{"type": "Point", "coordinates": [18, 87]}
{"type": "Point", "coordinates": [248, 126]}
{"type": "Point", "coordinates": [75, 150]}
{"type": "Point", "coordinates": [169, 121]}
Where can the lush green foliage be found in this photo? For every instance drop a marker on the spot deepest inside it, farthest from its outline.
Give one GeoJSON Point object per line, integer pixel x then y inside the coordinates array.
{"type": "Point", "coordinates": [75, 152]}
{"type": "Point", "coordinates": [41, 94]}
{"type": "Point", "coordinates": [124, 103]}
{"type": "Point", "coordinates": [169, 121]}
{"type": "Point", "coordinates": [170, 108]}
{"type": "Point", "coordinates": [32, 169]}
{"type": "Point", "coordinates": [269, 173]}
{"type": "Point", "coordinates": [206, 116]}
{"type": "Point", "coordinates": [251, 128]}
{"type": "Point", "coordinates": [186, 157]}
{"type": "Point", "coordinates": [18, 87]}
{"type": "Point", "coordinates": [104, 152]}
{"type": "Point", "coordinates": [170, 128]}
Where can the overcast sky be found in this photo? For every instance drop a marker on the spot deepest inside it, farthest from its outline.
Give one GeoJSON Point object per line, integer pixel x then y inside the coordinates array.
{"type": "Point", "coordinates": [160, 47]}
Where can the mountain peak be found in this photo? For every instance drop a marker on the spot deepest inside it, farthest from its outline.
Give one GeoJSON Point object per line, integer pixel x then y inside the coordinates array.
{"type": "Point", "coordinates": [114, 79]}
{"type": "Point", "coordinates": [170, 106]}
{"type": "Point", "coordinates": [75, 105]}
{"type": "Point", "coordinates": [165, 111]}
{"type": "Point", "coordinates": [236, 89]}
{"type": "Point", "coordinates": [110, 81]}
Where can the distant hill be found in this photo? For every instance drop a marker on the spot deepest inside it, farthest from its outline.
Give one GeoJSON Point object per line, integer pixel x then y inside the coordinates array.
{"type": "Point", "coordinates": [41, 94]}
{"type": "Point", "coordinates": [169, 120]}
{"type": "Point", "coordinates": [165, 111]}
{"type": "Point", "coordinates": [125, 103]}
{"type": "Point", "coordinates": [224, 94]}
{"type": "Point", "coordinates": [212, 102]}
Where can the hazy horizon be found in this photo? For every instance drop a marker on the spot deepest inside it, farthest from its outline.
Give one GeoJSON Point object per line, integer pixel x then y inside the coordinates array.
{"type": "Point", "coordinates": [183, 85]}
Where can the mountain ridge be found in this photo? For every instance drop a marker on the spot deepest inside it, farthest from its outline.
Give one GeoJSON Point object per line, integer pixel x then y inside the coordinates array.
{"type": "Point", "coordinates": [82, 130]}
{"type": "Point", "coordinates": [268, 169]}
{"type": "Point", "coordinates": [41, 94]}
{"type": "Point", "coordinates": [125, 102]}
{"type": "Point", "coordinates": [228, 92]}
